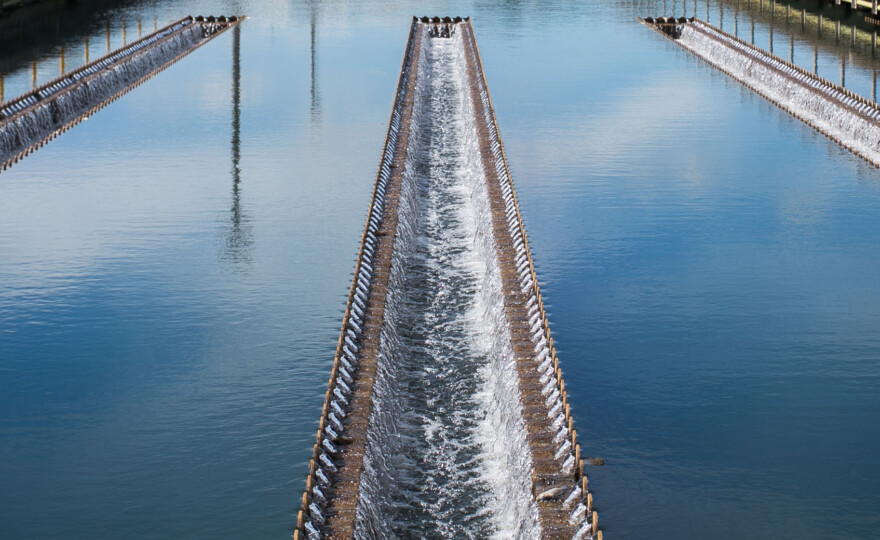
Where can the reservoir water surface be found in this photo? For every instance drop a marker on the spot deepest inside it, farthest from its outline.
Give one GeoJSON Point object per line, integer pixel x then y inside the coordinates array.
{"type": "Point", "coordinates": [173, 271]}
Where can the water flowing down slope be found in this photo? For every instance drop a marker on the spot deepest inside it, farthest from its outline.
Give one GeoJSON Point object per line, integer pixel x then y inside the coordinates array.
{"type": "Point", "coordinates": [838, 113]}
{"type": "Point", "coordinates": [446, 415]}
{"type": "Point", "coordinates": [29, 121]}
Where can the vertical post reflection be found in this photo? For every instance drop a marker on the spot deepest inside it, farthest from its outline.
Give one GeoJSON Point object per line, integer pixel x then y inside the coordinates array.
{"type": "Point", "coordinates": [315, 90]}
{"type": "Point", "coordinates": [236, 107]}
{"type": "Point", "coordinates": [239, 236]}
{"type": "Point", "coordinates": [874, 85]}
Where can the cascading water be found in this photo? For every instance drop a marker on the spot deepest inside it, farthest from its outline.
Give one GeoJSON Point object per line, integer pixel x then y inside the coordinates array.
{"type": "Point", "coordinates": [32, 118]}
{"type": "Point", "coordinates": [446, 453]}
{"type": "Point", "coordinates": [852, 122]}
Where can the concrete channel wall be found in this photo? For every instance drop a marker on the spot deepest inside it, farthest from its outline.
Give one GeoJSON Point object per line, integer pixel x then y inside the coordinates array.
{"type": "Point", "coordinates": [841, 115]}
{"type": "Point", "coordinates": [559, 487]}
{"type": "Point", "coordinates": [29, 121]}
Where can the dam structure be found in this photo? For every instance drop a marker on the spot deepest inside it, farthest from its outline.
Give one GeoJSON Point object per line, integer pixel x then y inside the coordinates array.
{"type": "Point", "coordinates": [36, 117]}
{"type": "Point", "coordinates": [839, 114]}
{"type": "Point", "coordinates": [446, 414]}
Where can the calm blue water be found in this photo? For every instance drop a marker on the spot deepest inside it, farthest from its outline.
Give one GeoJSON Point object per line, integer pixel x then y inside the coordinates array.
{"type": "Point", "coordinates": [710, 264]}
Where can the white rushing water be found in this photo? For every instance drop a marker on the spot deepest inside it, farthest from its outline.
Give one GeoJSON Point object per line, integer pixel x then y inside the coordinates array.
{"type": "Point", "coordinates": [828, 109]}
{"type": "Point", "coordinates": [49, 115]}
{"type": "Point", "coordinates": [446, 452]}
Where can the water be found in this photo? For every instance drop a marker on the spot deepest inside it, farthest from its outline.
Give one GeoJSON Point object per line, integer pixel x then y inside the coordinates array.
{"type": "Point", "coordinates": [447, 459]}
{"type": "Point", "coordinates": [168, 315]}
{"type": "Point", "coordinates": [108, 78]}
{"type": "Point", "coordinates": [812, 100]}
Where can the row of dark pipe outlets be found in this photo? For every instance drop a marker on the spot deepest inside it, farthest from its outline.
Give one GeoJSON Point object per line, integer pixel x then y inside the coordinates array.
{"type": "Point", "coordinates": [20, 103]}
{"type": "Point", "coordinates": [439, 20]}
{"type": "Point", "coordinates": [668, 20]}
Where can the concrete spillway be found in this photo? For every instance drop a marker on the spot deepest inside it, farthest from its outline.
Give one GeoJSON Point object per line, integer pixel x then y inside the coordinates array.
{"type": "Point", "coordinates": [32, 119]}
{"type": "Point", "coordinates": [839, 114]}
{"type": "Point", "coordinates": [446, 414]}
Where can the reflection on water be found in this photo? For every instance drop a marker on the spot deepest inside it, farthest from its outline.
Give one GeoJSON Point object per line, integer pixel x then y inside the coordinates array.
{"type": "Point", "coordinates": [709, 266]}
{"type": "Point", "coordinates": [240, 236]}
{"type": "Point", "coordinates": [315, 89]}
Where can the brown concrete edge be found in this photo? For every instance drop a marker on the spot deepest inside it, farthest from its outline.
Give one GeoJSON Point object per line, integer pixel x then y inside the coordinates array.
{"type": "Point", "coordinates": [342, 492]}
{"type": "Point", "coordinates": [658, 27]}
{"type": "Point", "coordinates": [67, 126]}
{"type": "Point", "coordinates": [548, 475]}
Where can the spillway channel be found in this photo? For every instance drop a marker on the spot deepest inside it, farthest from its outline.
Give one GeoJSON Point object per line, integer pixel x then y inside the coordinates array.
{"type": "Point", "coordinates": [840, 114]}
{"type": "Point", "coordinates": [29, 121]}
{"type": "Point", "coordinates": [446, 414]}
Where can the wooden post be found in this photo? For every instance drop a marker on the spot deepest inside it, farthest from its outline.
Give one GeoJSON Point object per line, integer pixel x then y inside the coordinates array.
{"type": "Point", "coordinates": [108, 36]}
{"type": "Point", "coordinates": [34, 73]}
{"type": "Point", "coordinates": [139, 27]}
{"type": "Point", "coordinates": [2, 99]}
{"type": "Point", "coordinates": [791, 49]}
{"type": "Point", "coordinates": [124, 37]}
{"type": "Point", "coordinates": [843, 71]}
{"type": "Point", "coordinates": [816, 59]}
{"type": "Point", "coordinates": [86, 49]}
{"type": "Point", "coordinates": [61, 61]}
{"type": "Point", "coordinates": [873, 7]}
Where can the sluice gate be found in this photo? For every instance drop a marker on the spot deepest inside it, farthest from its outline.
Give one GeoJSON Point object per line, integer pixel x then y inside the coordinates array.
{"type": "Point", "coordinates": [839, 114]}
{"type": "Point", "coordinates": [33, 119]}
{"type": "Point", "coordinates": [446, 414]}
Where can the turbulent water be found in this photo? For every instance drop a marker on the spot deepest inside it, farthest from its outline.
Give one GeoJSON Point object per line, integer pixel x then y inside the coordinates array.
{"type": "Point", "coordinates": [446, 454]}
{"type": "Point", "coordinates": [24, 130]}
{"type": "Point", "coordinates": [814, 101]}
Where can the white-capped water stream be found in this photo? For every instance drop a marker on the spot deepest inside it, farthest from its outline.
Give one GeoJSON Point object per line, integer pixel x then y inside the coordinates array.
{"type": "Point", "coordinates": [446, 452]}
